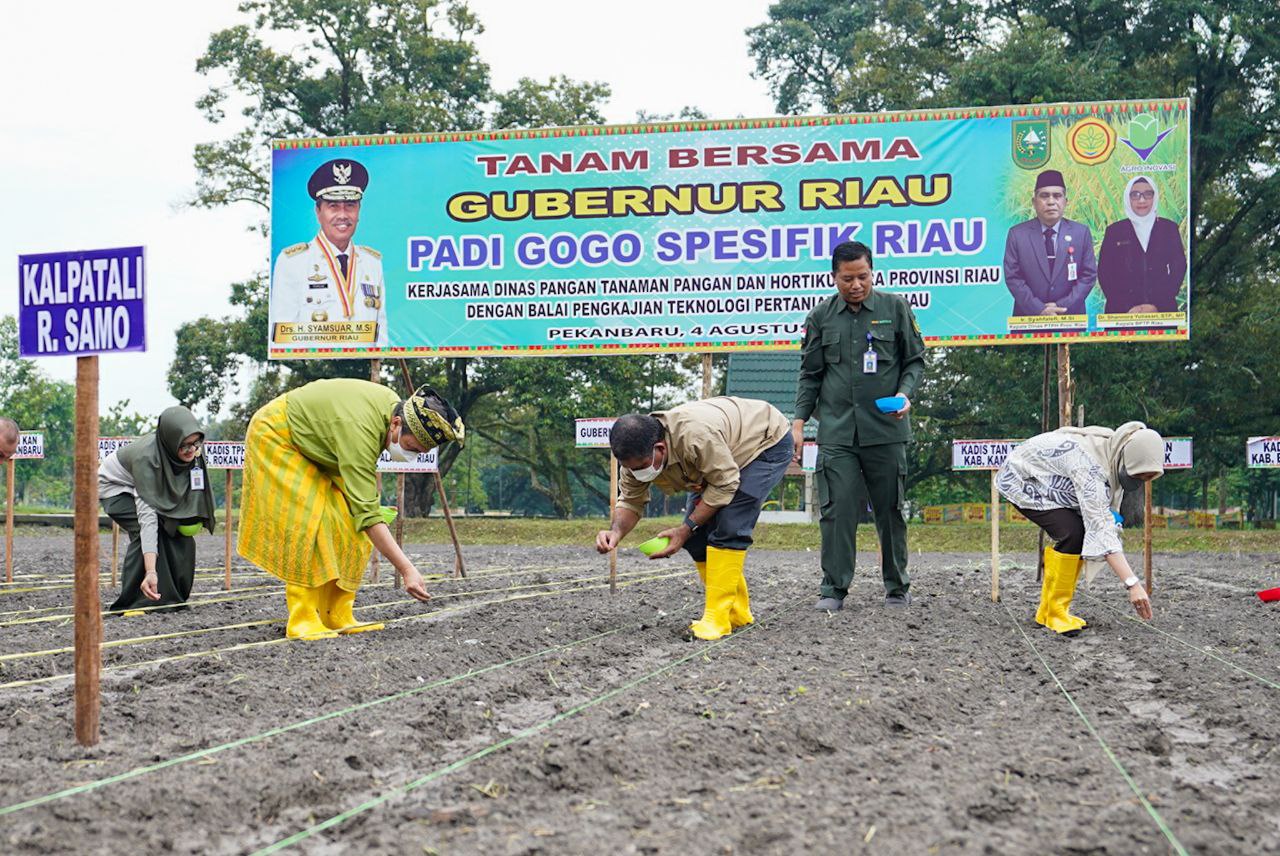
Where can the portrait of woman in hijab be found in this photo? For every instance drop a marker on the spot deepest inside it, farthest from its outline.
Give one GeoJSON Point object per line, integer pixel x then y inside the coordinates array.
{"type": "Point", "coordinates": [1141, 262]}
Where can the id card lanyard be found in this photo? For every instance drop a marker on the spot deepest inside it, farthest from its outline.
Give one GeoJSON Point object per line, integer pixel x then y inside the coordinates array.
{"type": "Point", "coordinates": [1072, 274]}
{"type": "Point", "coordinates": [869, 358]}
{"type": "Point", "coordinates": [197, 478]}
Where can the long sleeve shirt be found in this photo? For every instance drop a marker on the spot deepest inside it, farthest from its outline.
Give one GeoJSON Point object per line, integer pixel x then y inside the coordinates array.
{"type": "Point", "coordinates": [832, 382]}
{"type": "Point", "coordinates": [341, 425]}
{"type": "Point", "coordinates": [708, 444]}
{"type": "Point", "coordinates": [114, 480]}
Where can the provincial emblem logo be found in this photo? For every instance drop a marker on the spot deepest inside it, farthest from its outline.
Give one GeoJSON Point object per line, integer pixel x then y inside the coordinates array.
{"type": "Point", "coordinates": [1031, 142]}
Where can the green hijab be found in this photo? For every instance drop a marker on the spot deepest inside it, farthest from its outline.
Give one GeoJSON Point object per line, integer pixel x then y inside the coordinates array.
{"type": "Point", "coordinates": [162, 479]}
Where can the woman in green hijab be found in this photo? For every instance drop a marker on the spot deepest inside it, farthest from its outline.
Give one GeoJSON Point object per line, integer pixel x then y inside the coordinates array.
{"type": "Point", "coordinates": [157, 489]}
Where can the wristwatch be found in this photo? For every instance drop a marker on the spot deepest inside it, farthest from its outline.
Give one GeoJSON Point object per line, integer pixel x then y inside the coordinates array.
{"type": "Point", "coordinates": [1131, 581]}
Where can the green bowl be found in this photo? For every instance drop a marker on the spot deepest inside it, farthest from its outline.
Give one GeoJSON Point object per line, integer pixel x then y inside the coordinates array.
{"type": "Point", "coordinates": [653, 545]}
{"type": "Point", "coordinates": [189, 528]}
{"type": "Point", "coordinates": [388, 514]}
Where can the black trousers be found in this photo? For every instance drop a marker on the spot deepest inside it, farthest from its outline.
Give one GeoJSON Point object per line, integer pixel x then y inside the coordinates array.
{"type": "Point", "coordinates": [175, 560]}
{"type": "Point", "coordinates": [1064, 525]}
{"type": "Point", "coordinates": [733, 525]}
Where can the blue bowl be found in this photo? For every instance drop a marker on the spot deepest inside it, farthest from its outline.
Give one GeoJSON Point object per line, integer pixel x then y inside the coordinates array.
{"type": "Point", "coordinates": [891, 404]}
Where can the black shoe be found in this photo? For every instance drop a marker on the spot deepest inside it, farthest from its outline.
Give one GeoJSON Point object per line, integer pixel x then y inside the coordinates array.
{"type": "Point", "coordinates": [829, 604]}
{"type": "Point", "coordinates": [898, 601]}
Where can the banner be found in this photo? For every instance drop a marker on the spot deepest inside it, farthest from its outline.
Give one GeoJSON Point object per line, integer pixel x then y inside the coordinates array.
{"type": "Point", "coordinates": [86, 302]}
{"type": "Point", "coordinates": [717, 235]}
{"type": "Point", "coordinates": [425, 462]}
{"type": "Point", "coordinates": [30, 446]}
{"type": "Point", "coordinates": [593, 433]}
{"type": "Point", "coordinates": [107, 445]}
{"type": "Point", "coordinates": [224, 454]}
{"type": "Point", "coordinates": [980, 454]}
{"type": "Point", "coordinates": [1263, 451]}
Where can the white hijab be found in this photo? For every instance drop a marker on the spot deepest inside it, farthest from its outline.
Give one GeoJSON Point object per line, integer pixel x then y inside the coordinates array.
{"type": "Point", "coordinates": [1133, 445]}
{"type": "Point", "coordinates": [1142, 224]}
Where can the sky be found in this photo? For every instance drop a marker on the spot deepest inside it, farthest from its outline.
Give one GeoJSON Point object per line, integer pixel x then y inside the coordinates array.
{"type": "Point", "coordinates": [100, 122]}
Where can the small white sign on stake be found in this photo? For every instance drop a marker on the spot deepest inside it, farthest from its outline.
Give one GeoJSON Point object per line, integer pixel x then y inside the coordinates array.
{"type": "Point", "coordinates": [809, 457]}
{"type": "Point", "coordinates": [1177, 453]}
{"type": "Point", "coordinates": [107, 445]}
{"type": "Point", "coordinates": [30, 446]}
{"type": "Point", "coordinates": [981, 454]}
{"type": "Point", "coordinates": [425, 462]}
{"type": "Point", "coordinates": [1263, 452]}
{"type": "Point", "coordinates": [224, 454]}
{"type": "Point", "coordinates": [593, 433]}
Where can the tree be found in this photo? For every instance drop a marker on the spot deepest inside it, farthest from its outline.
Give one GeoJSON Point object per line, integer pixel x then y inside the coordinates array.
{"type": "Point", "coordinates": [558, 102]}
{"type": "Point", "coordinates": [36, 402]}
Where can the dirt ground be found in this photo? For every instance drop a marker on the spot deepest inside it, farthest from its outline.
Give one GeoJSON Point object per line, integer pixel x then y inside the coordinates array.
{"type": "Point", "coordinates": [526, 710]}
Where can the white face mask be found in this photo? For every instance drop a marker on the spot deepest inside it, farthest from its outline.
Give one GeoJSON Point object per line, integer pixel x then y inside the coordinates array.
{"type": "Point", "coordinates": [650, 472]}
{"type": "Point", "coordinates": [400, 453]}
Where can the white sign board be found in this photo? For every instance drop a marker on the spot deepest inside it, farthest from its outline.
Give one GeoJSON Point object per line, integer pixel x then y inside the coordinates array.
{"type": "Point", "coordinates": [593, 433]}
{"type": "Point", "coordinates": [425, 462]}
{"type": "Point", "coordinates": [1177, 453]}
{"type": "Point", "coordinates": [980, 454]}
{"type": "Point", "coordinates": [224, 454]}
{"type": "Point", "coordinates": [30, 446]}
{"type": "Point", "coordinates": [809, 457]}
{"type": "Point", "coordinates": [1264, 451]}
{"type": "Point", "coordinates": [107, 445]}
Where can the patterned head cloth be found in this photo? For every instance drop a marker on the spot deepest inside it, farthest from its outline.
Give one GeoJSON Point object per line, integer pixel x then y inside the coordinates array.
{"type": "Point", "coordinates": [431, 419]}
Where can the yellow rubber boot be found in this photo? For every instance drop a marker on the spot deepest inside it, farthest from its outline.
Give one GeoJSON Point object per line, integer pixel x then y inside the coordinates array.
{"type": "Point", "coordinates": [740, 615]}
{"type": "Point", "coordinates": [1061, 572]}
{"type": "Point", "coordinates": [723, 569]}
{"type": "Point", "coordinates": [304, 613]}
{"type": "Point", "coordinates": [336, 613]}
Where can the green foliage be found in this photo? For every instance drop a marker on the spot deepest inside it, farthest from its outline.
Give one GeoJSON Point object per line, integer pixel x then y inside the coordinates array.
{"type": "Point", "coordinates": [36, 402]}
{"type": "Point", "coordinates": [559, 102]}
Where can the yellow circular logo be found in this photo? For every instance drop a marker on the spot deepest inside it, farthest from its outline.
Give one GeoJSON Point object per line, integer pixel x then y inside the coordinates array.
{"type": "Point", "coordinates": [1091, 141]}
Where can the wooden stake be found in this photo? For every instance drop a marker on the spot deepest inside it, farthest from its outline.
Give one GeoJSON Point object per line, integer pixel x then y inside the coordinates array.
{"type": "Point", "coordinates": [229, 523]}
{"type": "Point", "coordinates": [995, 541]}
{"type": "Point", "coordinates": [459, 569]}
{"type": "Point", "coordinates": [1044, 426]}
{"type": "Point", "coordinates": [8, 522]}
{"type": "Point", "coordinates": [374, 564]}
{"type": "Point", "coordinates": [115, 551]}
{"type": "Point", "coordinates": [88, 615]}
{"type": "Point", "coordinates": [1066, 387]}
{"type": "Point", "coordinates": [399, 520]}
{"type": "Point", "coordinates": [613, 502]}
{"type": "Point", "coordinates": [706, 375]}
{"type": "Point", "coordinates": [1146, 535]}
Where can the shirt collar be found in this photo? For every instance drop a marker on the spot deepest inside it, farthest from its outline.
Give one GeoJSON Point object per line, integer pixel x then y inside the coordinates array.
{"type": "Point", "coordinates": [350, 250]}
{"type": "Point", "coordinates": [869, 303]}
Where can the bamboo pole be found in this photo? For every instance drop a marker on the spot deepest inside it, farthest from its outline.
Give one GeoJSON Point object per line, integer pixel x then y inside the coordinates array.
{"type": "Point", "coordinates": [1066, 386]}
{"type": "Point", "coordinates": [228, 524]}
{"type": "Point", "coordinates": [613, 502]}
{"type": "Point", "coordinates": [1146, 535]}
{"type": "Point", "coordinates": [995, 541]}
{"type": "Point", "coordinates": [8, 522]}
{"type": "Point", "coordinates": [88, 615]}
{"type": "Point", "coordinates": [374, 564]}
{"type": "Point", "coordinates": [459, 568]}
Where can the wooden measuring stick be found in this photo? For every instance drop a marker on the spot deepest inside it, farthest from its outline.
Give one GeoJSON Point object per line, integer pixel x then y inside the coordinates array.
{"type": "Point", "coordinates": [88, 611]}
{"type": "Point", "coordinates": [8, 523]}
{"type": "Point", "coordinates": [373, 554]}
{"type": "Point", "coordinates": [395, 578]}
{"type": "Point", "coordinates": [459, 568]}
{"type": "Point", "coordinates": [229, 523]}
{"type": "Point", "coordinates": [1146, 535]}
{"type": "Point", "coordinates": [995, 540]}
{"type": "Point", "coordinates": [613, 502]}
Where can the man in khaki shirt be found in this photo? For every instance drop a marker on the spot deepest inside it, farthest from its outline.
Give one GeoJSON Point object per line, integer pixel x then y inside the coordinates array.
{"type": "Point", "coordinates": [729, 453]}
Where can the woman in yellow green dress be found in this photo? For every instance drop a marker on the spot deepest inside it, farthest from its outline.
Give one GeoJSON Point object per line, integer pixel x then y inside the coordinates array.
{"type": "Point", "coordinates": [310, 505]}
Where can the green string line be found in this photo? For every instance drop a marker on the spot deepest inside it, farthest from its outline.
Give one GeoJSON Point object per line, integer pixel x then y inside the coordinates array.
{"type": "Point", "coordinates": [294, 726]}
{"type": "Point", "coordinates": [1133, 786]}
{"type": "Point", "coordinates": [1210, 654]}
{"type": "Point", "coordinates": [701, 651]}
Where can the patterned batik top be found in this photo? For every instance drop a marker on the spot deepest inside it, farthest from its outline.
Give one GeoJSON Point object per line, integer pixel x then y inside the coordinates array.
{"type": "Point", "coordinates": [1054, 471]}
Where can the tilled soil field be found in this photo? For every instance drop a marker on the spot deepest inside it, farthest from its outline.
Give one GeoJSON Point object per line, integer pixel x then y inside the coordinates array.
{"type": "Point", "coordinates": [528, 710]}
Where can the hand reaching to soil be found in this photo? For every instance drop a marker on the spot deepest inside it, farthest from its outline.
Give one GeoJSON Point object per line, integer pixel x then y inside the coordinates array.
{"type": "Point", "coordinates": [607, 540]}
{"type": "Point", "coordinates": [414, 585]}
{"type": "Point", "coordinates": [1140, 601]}
{"type": "Point", "coordinates": [149, 587]}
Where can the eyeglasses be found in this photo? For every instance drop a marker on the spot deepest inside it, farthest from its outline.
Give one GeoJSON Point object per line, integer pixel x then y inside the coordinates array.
{"type": "Point", "coordinates": [1142, 194]}
{"type": "Point", "coordinates": [191, 447]}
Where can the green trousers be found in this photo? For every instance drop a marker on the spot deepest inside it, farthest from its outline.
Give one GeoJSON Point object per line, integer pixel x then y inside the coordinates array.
{"type": "Point", "coordinates": [847, 477]}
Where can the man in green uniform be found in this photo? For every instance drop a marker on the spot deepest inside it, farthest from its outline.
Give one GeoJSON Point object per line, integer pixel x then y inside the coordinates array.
{"type": "Point", "coordinates": [859, 346]}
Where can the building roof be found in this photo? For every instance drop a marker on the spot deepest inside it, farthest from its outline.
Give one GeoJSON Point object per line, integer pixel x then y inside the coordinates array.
{"type": "Point", "coordinates": [769, 377]}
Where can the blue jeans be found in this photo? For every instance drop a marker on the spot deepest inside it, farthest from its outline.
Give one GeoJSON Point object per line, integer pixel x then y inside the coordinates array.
{"type": "Point", "coordinates": [733, 524]}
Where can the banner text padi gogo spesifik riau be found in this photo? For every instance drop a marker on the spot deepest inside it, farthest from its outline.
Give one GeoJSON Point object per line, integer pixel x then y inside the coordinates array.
{"type": "Point", "coordinates": [1000, 225]}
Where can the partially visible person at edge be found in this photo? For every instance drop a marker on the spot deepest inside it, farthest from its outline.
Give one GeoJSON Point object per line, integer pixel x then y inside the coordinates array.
{"type": "Point", "coordinates": [1141, 263]}
{"type": "Point", "coordinates": [1070, 482]}
{"type": "Point", "coordinates": [729, 453]}
{"type": "Point", "coordinates": [157, 489]}
{"type": "Point", "coordinates": [311, 510]}
{"type": "Point", "coordinates": [859, 345]}
{"type": "Point", "coordinates": [9, 437]}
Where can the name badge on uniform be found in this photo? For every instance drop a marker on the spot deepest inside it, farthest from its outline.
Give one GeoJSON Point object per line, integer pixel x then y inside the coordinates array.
{"type": "Point", "coordinates": [197, 478]}
{"type": "Point", "coordinates": [869, 358]}
{"type": "Point", "coordinates": [1072, 275]}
